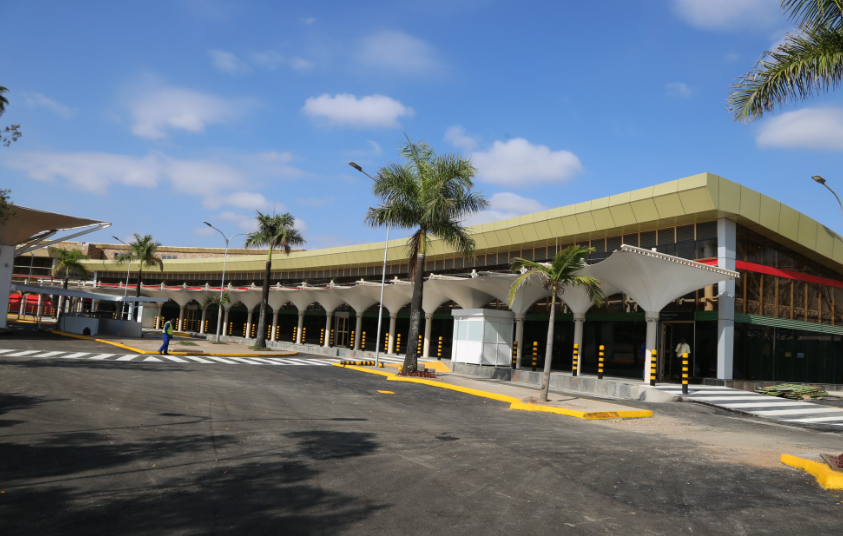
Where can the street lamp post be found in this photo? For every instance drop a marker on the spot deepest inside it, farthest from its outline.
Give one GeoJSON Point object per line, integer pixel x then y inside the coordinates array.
{"type": "Point", "coordinates": [821, 180]}
{"type": "Point", "coordinates": [222, 283]}
{"type": "Point", "coordinates": [128, 271]}
{"type": "Point", "coordinates": [383, 279]}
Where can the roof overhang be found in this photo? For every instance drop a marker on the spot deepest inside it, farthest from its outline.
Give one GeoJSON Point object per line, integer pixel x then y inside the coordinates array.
{"type": "Point", "coordinates": [75, 293]}
{"type": "Point", "coordinates": [29, 229]}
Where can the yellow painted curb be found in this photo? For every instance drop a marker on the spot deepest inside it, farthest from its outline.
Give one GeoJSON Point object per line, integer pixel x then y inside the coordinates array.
{"type": "Point", "coordinates": [150, 352]}
{"type": "Point", "coordinates": [589, 415]}
{"type": "Point", "coordinates": [514, 403]}
{"type": "Point", "coordinates": [825, 475]}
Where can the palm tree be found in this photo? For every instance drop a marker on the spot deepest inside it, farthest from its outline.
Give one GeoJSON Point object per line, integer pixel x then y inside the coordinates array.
{"type": "Point", "coordinates": [69, 260]}
{"type": "Point", "coordinates": [142, 250]}
{"type": "Point", "coordinates": [3, 100]}
{"type": "Point", "coordinates": [274, 231]}
{"type": "Point", "coordinates": [559, 274]}
{"type": "Point", "coordinates": [433, 195]}
{"type": "Point", "coordinates": [805, 64]}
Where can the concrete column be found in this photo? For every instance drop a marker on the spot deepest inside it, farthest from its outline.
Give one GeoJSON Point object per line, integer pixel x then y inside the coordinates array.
{"type": "Point", "coordinates": [328, 318]}
{"type": "Point", "coordinates": [428, 332]}
{"type": "Point", "coordinates": [249, 324]}
{"type": "Point", "coordinates": [80, 305]}
{"type": "Point", "coordinates": [21, 305]}
{"type": "Point", "coordinates": [95, 304]}
{"type": "Point", "coordinates": [202, 322]}
{"type": "Point", "coordinates": [40, 307]}
{"type": "Point", "coordinates": [158, 323]}
{"type": "Point", "coordinates": [7, 262]}
{"type": "Point", "coordinates": [391, 343]}
{"type": "Point", "coordinates": [650, 344]}
{"type": "Point", "coordinates": [274, 325]}
{"type": "Point", "coordinates": [358, 329]}
{"type": "Point", "coordinates": [579, 320]}
{"type": "Point", "coordinates": [224, 328]}
{"type": "Point", "coordinates": [299, 328]}
{"type": "Point", "coordinates": [519, 337]}
{"type": "Point", "coordinates": [726, 246]}
{"type": "Point", "coordinates": [181, 318]}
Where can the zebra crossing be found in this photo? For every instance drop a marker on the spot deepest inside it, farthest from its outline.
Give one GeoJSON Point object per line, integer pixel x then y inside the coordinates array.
{"type": "Point", "coordinates": [181, 359]}
{"type": "Point", "coordinates": [758, 405]}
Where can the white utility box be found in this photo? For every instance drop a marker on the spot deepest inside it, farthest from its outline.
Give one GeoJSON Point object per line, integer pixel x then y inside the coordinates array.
{"type": "Point", "coordinates": [482, 336]}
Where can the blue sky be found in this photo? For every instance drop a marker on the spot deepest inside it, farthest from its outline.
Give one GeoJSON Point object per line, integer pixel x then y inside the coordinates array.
{"type": "Point", "coordinates": [159, 116]}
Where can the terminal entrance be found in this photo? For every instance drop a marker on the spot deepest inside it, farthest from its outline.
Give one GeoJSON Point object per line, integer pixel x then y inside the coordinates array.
{"type": "Point", "coordinates": [670, 363]}
{"type": "Point", "coordinates": [341, 333]}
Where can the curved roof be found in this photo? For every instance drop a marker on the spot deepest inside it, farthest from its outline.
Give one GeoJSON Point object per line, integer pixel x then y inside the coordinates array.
{"type": "Point", "coordinates": [27, 223]}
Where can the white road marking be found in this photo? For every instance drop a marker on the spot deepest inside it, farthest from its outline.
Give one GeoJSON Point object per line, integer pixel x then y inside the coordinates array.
{"type": "Point", "coordinates": [817, 419]}
{"type": "Point", "coordinates": [4, 351]}
{"type": "Point", "coordinates": [244, 360]}
{"type": "Point", "coordinates": [153, 359]}
{"type": "Point", "coordinates": [221, 360]}
{"type": "Point", "coordinates": [724, 398]}
{"type": "Point", "coordinates": [51, 354]}
{"type": "Point", "coordinates": [25, 352]}
{"type": "Point", "coordinates": [127, 357]}
{"type": "Point", "coordinates": [74, 356]}
{"type": "Point", "coordinates": [766, 404]}
{"type": "Point", "coordinates": [264, 360]}
{"type": "Point", "coordinates": [288, 361]}
{"type": "Point", "coordinates": [101, 356]}
{"type": "Point", "coordinates": [815, 409]}
{"type": "Point", "coordinates": [173, 358]}
{"type": "Point", "coordinates": [197, 359]}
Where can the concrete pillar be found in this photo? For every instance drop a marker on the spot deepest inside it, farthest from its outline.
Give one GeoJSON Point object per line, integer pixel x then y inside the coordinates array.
{"type": "Point", "coordinates": [181, 319]}
{"type": "Point", "coordinates": [328, 318]}
{"type": "Point", "coordinates": [202, 322]}
{"type": "Point", "coordinates": [428, 332]}
{"type": "Point", "coordinates": [40, 307]}
{"type": "Point", "coordinates": [391, 343]}
{"type": "Point", "coordinates": [274, 325]}
{"type": "Point", "coordinates": [158, 321]}
{"type": "Point", "coordinates": [579, 320]}
{"type": "Point", "coordinates": [7, 262]}
{"type": "Point", "coordinates": [95, 305]}
{"type": "Point", "coordinates": [358, 329]}
{"type": "Point", "coordinates": [650, 344]}
{"type": "Point", "coordinates": [249, 324]}
{"type": "Point", "coordinates": [224, 328]}
{"type": "Point", "coordinates": [726, 246]}
{"type": "Point", "coordinates": [299, 328]}
{"type": "Point", "coordinates": [21, 305]}
{"type": "Point", "coordinates": [519, 337]}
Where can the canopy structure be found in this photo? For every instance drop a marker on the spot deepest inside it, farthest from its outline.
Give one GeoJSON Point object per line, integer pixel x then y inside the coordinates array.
{"type": "Point", "coordinates": [83, 294]}
{"type": "Point", "coordinates": [28, 229]}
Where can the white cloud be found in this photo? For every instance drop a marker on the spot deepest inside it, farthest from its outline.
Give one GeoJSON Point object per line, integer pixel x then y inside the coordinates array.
{"type": "Point", "coordinates": [679, 90]}
{"type": "Point", "coordinates": [505, 205]}
{"type": "Point", "coordinates": [39, 100]}
{"type": "Point", "coordinates": [245, 223]}
{"type": "Point", "coordinates": [300, 64]}
{"type": "Point", "coordinates": [228, 62]}
{"type": "Point", "coordinates": [728, 14]}
{"type": "Point", "coordinates": [247, 200]}
{"type": "Point", "coordinates": [268, 59]}
{"type": "Point", "coordinates": [732, 56]}
{"type": "Point", "coordinates": [159, 110]}
{"type": "Point", "coordinates": [396, 52]}
{"type": "Point", "coordinates": [90, 172]}
{"type": "Point", "coordinates": [809, 128]}
{"type": "Point", "coordinates": [457, 136]}
{"type": "Point", "coordinates": [316, 201]}
{"type": "Point", "coordinates": [204, 230]}
{"type": "Point", "coordinates": [348, 110]}
{"type": "Point", "coordinates": [517, 162]}
{"type": "Point", "coordinates": [308, 21]}
{"type": "Point", "coordinates": [373, 150]}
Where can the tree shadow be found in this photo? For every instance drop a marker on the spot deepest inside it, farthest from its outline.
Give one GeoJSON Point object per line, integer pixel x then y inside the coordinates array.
{"type": "Point", "coordinates": [328, 444]}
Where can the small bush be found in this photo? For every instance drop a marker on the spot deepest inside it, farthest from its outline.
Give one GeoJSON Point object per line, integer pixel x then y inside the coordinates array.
{"type": "Point", "coordinates": [187, 343]}
{"type": "Point", "coordinates": [259, 348]}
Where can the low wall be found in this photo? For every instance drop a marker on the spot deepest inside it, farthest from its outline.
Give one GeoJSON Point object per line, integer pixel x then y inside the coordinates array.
{"type": "Point", "coordinates": [99, 326]}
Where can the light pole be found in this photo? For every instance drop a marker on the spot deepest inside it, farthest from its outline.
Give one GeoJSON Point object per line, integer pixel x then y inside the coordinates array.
{"type": "Point", "coordinates": [222, 283]}
{"type": "Point", "coordinates": [128, 271]}
{"type": "Point", "coordinates": [383, 279]}
{"type": "Point", "coordinates": [822, 181]}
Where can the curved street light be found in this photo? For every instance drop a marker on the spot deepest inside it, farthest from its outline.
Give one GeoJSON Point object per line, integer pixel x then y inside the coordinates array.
{"type": "Point", "coordinates": [222, 283]}
{"type": "Point", "coordinates": [821, 180]}
{"type": "Point", "coordinates": [128, 271]}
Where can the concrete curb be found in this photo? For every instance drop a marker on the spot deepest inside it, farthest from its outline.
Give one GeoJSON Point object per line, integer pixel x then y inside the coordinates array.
{"type": "Point", "coordinates": [825, 475]}
{"type": "Point", "coordinates": [514, 403]}
{"type": "Point", "coordinates": [146, 352]}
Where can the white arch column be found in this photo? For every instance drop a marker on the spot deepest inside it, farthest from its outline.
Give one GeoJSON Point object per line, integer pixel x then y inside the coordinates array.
{"type": "Point", "coordinates": [329, 315]}
{"type": "Point", "coordinates": [181, 318]}
{"type": "Point", "coordinates": [249, 318]}
{"type": "Point", "coordinates": [579, 320]}
{"type": "Point", "coordinates": [300, 327]}
{"type": "Point", "coordinates": [358, 328]}
{"type": "Point", "coordinates": [428, 329]}
{"type": "Point", "coordinates": [202, 322]}
{"type": "Point", "coordinates": [390, 345]}
{"type": "Point", "coordinates": [224, 328]}
{"type": "Point", "coordinates": [519, 337]}
{"type": "Point", "coordinates": [274, 329]}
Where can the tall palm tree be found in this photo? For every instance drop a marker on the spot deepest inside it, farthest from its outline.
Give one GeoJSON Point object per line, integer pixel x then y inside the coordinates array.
{"type": "Point", "coordinates": [804, 64]}
{"type": "Point", "coordinates": [433, 195]}
{"type": "Point", "coordinates": [276, 231]}
{"type": "Point", "coordinates": [142, 250]}
{"type": "Point", "coordinates": [556, 276]}
{"type": "Point", "coordinates": [69, 260]}
{"type": "Point", "coordinates": [3, 100]}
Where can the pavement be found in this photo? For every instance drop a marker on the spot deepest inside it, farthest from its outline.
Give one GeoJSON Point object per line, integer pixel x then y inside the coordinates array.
{"type": "Point", "coordinates": [96, 447]}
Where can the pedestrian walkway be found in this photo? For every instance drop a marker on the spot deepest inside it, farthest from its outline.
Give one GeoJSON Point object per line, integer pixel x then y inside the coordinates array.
{"type": "Point", "coordinates": [771, 407]}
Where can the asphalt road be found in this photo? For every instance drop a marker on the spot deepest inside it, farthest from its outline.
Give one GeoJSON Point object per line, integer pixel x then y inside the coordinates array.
{"type": "Point", "coordinates": [134, 449]}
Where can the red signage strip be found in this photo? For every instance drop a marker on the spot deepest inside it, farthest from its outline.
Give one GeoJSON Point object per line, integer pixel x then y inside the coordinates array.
{"type": "Point", "coordinates": [778, 272]}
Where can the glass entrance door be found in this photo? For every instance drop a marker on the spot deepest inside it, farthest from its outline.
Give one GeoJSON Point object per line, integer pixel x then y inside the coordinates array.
{"type": "Point", "coordinates": [670, 362]}
{"type": "Point", "coordinates": [341, 338]}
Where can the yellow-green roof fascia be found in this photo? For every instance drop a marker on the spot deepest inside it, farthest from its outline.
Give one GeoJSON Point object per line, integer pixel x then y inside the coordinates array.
{"type": "Point", "coordinates": [698, 198]}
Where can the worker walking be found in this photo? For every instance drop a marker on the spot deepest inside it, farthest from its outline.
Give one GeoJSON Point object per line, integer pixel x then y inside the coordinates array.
{"type": "Point", "coordinates": [168, 333]}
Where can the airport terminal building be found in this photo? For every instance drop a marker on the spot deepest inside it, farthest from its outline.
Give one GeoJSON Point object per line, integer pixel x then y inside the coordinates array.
{"type": "Point", "coordinates": [781, 320]}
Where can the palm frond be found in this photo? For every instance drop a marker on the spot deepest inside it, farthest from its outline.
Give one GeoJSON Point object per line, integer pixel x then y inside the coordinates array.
{"type": "Point", "coordinates": [592, 286]}
{"type": "Point", "coordinates": [828, 13]}
{"type": "Point", "coordinates": [802, 66]}
{"type": "Point", "coordinates": [523, 278]}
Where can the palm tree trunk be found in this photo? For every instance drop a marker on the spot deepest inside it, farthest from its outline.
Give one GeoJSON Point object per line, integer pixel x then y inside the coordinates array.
{"type": "Point", "coordinates": [411, 359]}
{"type": "Point", "coordinates": [260, 340]}
{"type": "Point", "coordinates": [548, 351]}
{"type": "Point", "coordinates": [137, 292]}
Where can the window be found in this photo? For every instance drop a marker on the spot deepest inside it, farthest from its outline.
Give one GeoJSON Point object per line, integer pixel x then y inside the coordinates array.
{"type": "Point", "coordinates": [167, 257]}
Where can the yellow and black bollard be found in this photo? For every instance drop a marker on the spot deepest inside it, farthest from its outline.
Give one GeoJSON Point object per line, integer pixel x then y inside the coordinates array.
{"type": "Point", "coordinates": [653, 361]}
{"type": "Point", "coordinates": [322, 337]}
{"type": "Point", "coordinates": [244, 330]}
{"type": "Point", "coordinates": [535, 355]}
{"type": "Point", "coordinates": [576, 360]}
{"type": "Point", "coordinates": [303, 335]}
{"type": "Point", "coordinates": [331, 342]}
{"type": "Point", "coordinates": [419, 346]}
{"type": "Point", "coordinates": [685, 373]}
{"type": "Point", "coordinates": [363, 341]}
{"type": "Point", "coordinates": [514, 354]}
{"type": "Point", "coordinates": [398, 344]}
{"type": "Point", "coordinates": [600, 355]}
{"type": "Point", "coordinates": [295, 339]}
{"type": "Point", "coordinates": [385, 343]}
{"type": "Point", "coordinates": [230, 327]}
{"type": "Point", "coordinates": [352, 340]}
{"type": "Point", "coordinates": [254, 327]}
{"type": "Point", "coordinates": [439, 351]}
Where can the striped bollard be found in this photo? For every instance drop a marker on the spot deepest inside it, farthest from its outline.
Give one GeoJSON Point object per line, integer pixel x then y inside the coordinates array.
{"type": "Point", "coordinates": [685, 373]}
{"type": "Point", "coordinates": [352, 340]}
{"type": "Point", "coordinates": [398, 344]}
{"type": "Point", "coordinates": [600, 355]}
{"type": "Point", "coordinates": [514, 354]}
{"type": "Point", "coordinates": [419, 346]}
{"type": "Point", "coordinates": [535, 355]}
{"type": "Point", "coordinates": [439, 351]}
{"type": "Point", "coordinates": [653, 362]}
{"type": "Point", "coordinates": [575, 363]}
{"type": "Point", "coordinates": [322, 337]}
{"type": "Point", "coordinates": [363, 341]}
{"type": "Point", "coordinates": [303, 335]}
{"type": "Point", "coordinates": [331, 343]}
